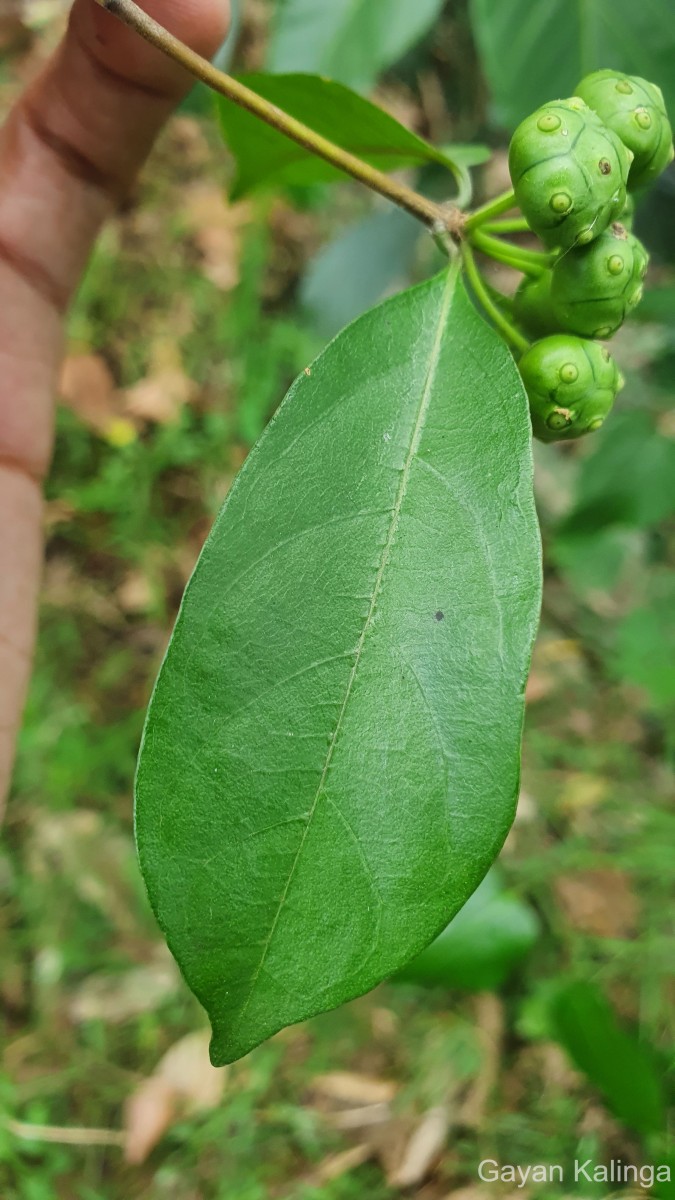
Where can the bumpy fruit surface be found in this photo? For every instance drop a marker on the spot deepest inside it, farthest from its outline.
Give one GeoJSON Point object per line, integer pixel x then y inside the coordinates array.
{"type": "Point", "coordinates": [594, 288]}
{"type": "Point", "coordinates": [571, 385]}
{"type": "Point", "coordinates": [532, 306]}
{"type": "Point", "coordinates": [634, 109]}
{"type": "Point", "coordinates": [569, 173]}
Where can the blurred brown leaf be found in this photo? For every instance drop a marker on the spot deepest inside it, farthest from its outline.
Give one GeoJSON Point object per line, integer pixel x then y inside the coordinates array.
{"type": "Point", "coordinates": [366, 1116]}
{"type": "Point", "coordinates": [600, 902]}
{"type": "Point", "coordinates": [490, 1024]}
{"type": "Point", "coordinates": [161, 396]}
{"type": "Point", "coordinates": [149, 1112]}
{"type": "Point", "coordinates": [336, 1165]}
{"type": "Point", "coordinates": [216, 229]}
{"type": "Point", "coordinates": [88, 389]}
{"type": "Point", "coordinates": [183, 1083]}
{"type": "Point", "coordinates": [351, 1090]}
{"type": "Point", "coordinates": [114, 998]}
{"type": "Point", "coordinates": [134, 594]}
{"type": "Point", "coordinates": [423, 1149]}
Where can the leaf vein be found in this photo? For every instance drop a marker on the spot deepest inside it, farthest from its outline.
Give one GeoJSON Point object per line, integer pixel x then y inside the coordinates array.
{"type": "Point", "coordinates": [377, 587]}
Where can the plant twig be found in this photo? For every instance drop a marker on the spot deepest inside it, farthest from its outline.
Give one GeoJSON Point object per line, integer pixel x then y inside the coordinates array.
{"type": "Point", "coordinates": [425, 210]}
{"type": "Point", "coordinates": [488, 305]}
{"type": "Point", "coordinates": [66, 1135]}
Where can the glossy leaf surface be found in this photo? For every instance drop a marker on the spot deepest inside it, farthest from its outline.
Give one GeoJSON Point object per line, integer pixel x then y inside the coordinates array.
{"type": "Point", "coordinates": [551, 46]}
{"type": "Point", "coordinates": [350, 40]}
{"type": "Point", "coordinates": [266, 157]}
{"type": "Point", "coordinates": [331, 757]}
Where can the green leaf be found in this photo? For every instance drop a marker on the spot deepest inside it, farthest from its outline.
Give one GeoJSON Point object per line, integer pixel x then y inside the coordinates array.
{"type": "Point", "coordinates": [331, 756]}
{"type": "Point", "coordinates": [595, 561]}
{"type": "Point", "coordinates": [645, 644]}
{"type": "Point", "coordinates": [532, 53]}
{"type": "Point", "coordinates": [350, 40]}
{"type": "Point", "coordinates": [658, 305]}
{"type": "Point", "coordinates": [467, 154]}
{"type": "Point", "coordinates": [353, 272]}
{"type": "Point", "coordinates": [480, 948]}
{"type": "Point", "coordinates": [629, 480]}
{"type": "Point", "coordinates": [266, 157]}
{"type": "Point", "coordinates": [622, 1068]}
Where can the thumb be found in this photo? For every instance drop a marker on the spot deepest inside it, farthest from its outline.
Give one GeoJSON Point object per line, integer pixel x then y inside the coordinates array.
{"type": "Point", "coordinates": [69, 149]}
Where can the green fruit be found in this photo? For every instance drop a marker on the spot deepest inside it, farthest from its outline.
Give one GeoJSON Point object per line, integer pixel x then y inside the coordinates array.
{"type": "Point", "coordinates": [571, 385]}
{"type": "Point", "coordinates": [569, 173]}
{"type": "Point", "coordinates": [532, 306]}
{"type": "Point", "coordinates": [594, 288]}
{"type": "Point", "coordinates": [634, 109]}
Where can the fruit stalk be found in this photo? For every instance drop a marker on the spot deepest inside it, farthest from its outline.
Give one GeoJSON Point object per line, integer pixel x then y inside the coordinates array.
{"type": "Point", "coordinates": [489, 306]}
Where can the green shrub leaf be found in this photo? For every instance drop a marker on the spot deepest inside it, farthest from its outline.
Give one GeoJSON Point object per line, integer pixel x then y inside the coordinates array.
{"type": "Point", "coordinates": [351, 273]}
{"type": "Point", "coordinates": [481, 947]}
{"type": "Point", "coordinates": [265, 157]}
{"type": "Point", "coordinates": [629, 480]}
{"type": "Point", "coordinates": [644, 653]}
{"type": "Point", "coordinates": [532, 53]}
{"type": "Point", "coordinates": [350, 40]}
{"type": "Point", "coordinates": [625, 1070]}
{"type": "Point", "coordinates": [331, 757]}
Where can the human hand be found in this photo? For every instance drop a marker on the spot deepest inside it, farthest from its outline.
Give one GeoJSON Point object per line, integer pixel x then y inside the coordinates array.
{"type": "Point", "coordinates": [68, 153]}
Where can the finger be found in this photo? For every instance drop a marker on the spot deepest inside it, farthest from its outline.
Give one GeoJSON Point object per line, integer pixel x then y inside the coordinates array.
{"type": "Point", "coordinates": [68, 152]}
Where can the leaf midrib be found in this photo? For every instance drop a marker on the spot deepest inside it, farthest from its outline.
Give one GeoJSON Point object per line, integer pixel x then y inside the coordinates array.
{"type": "Point", "coordinates": [418, 427]}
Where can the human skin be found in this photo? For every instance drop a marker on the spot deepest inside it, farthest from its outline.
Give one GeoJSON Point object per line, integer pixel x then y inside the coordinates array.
{"type": "Point", "coordinates": [69, 152]}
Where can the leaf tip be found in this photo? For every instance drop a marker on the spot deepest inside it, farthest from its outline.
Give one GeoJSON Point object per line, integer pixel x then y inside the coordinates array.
{"type": "Point", "coordinates": [229, 1042]}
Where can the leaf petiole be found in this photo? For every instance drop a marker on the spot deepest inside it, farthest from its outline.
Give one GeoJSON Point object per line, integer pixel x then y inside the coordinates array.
{"type": "Point", "coordinates": [489, 306]}
{"type": "Point", "coordinates": [530, 262]}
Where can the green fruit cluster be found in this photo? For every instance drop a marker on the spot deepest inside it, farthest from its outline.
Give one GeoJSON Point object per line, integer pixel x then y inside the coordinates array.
{"type": "Point", "coordinates": [574, 164]}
